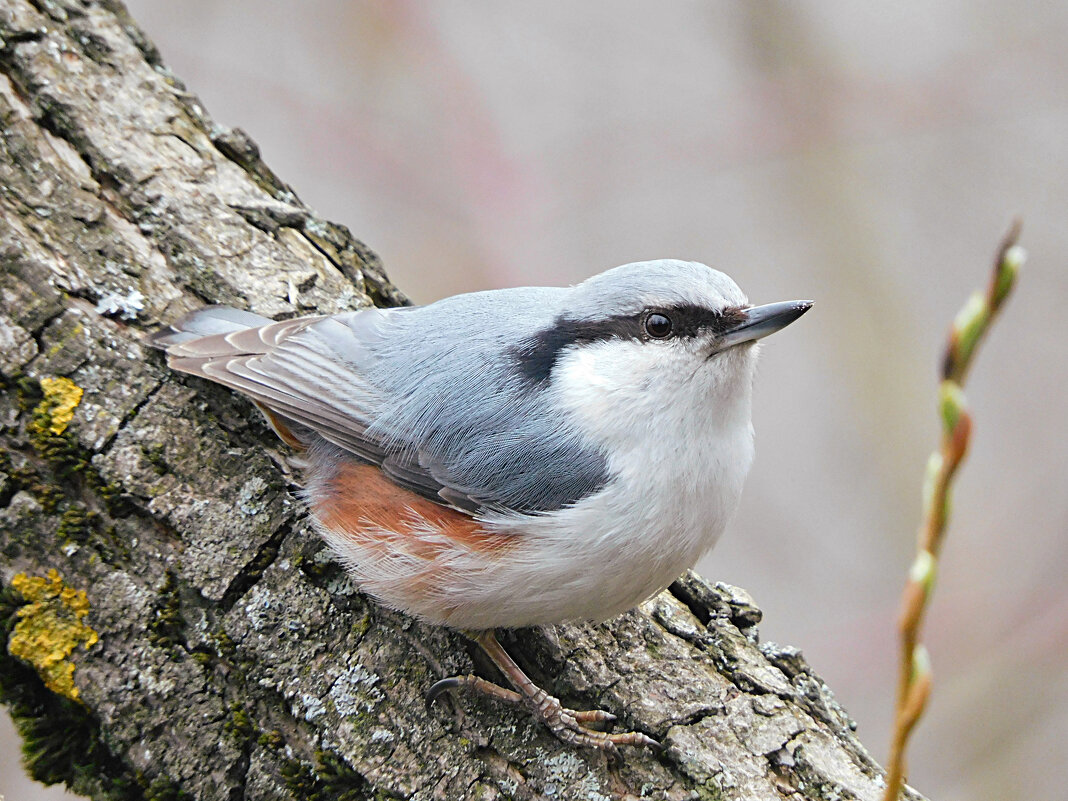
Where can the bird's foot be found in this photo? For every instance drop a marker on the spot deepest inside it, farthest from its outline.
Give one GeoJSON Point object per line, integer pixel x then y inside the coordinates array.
{"type": "Point", "coordinates": [575, 727]}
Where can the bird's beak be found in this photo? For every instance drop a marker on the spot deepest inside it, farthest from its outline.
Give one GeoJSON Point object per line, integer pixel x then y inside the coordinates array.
{"type": "Point", "coordinates": [759, 321]}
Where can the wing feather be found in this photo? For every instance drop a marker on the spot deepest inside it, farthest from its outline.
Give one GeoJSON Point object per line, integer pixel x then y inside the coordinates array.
{"type": "Point", "coordinates": [433, 411]}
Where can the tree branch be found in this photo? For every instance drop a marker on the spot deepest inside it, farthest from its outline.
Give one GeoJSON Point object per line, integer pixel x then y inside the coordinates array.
{"type": "Point", "coordinates": [226, 654]}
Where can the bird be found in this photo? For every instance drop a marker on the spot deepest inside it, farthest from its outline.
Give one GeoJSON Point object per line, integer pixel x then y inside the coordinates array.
{"type": "Point", "coordinates": [512, 457]}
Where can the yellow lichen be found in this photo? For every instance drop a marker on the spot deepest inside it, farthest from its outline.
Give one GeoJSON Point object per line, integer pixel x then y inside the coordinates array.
{"type": "Point", "coordinates": [61, 398]}
{"type": "Point", "coordinates": [49, 628]}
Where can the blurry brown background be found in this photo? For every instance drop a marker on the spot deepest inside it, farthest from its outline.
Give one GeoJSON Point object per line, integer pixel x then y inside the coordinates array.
{"type": "Point", "coordinates": [867, 158]}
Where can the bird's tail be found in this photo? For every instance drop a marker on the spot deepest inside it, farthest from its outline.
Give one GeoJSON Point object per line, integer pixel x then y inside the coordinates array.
{"type": "Point", "coordinates": [214, 334]}
{"type": "Point", "coordinates": [206, 322]}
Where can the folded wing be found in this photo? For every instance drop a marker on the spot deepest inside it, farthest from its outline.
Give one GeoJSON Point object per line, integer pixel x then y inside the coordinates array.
{"type": "Point", "coordinates": [440, 412]}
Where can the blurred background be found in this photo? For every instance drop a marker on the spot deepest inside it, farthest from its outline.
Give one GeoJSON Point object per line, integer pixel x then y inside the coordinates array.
{"type": "Point", "coordinates": [870, 158]}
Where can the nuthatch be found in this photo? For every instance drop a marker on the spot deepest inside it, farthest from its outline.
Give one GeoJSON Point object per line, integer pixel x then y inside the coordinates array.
{"type": "Point", "coordinates": [513, 457]}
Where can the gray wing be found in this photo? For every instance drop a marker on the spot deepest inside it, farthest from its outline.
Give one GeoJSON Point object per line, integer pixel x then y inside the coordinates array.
{"type": "Point", "coordinates": [429, 393]}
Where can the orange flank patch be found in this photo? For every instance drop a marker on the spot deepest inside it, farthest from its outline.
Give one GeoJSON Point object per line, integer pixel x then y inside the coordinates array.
{"type": "Point", "coordinates": [361, 503]}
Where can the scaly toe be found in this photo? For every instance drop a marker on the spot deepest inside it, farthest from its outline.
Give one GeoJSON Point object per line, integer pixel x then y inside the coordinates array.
{"type": "Point", "coordinates": [592, 716]}
{"type": "Point", "coordinates": [570, 727]}
{"type": "Point", "coordinates": [636, 739]}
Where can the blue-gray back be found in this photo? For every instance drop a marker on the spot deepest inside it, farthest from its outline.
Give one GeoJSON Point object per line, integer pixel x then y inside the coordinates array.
{"type": "Point", "coordinates": [453, 411]}
{"type": "Point", "coordinates": [433, 394]}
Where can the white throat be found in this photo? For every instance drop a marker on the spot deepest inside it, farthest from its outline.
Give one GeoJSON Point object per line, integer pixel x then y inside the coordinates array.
{"type": "Point", "coordinates": [676, 428]}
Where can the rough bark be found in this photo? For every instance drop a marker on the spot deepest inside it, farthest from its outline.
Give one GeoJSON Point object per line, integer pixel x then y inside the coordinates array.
{"type": "Point", "coordinates": [218, 651]}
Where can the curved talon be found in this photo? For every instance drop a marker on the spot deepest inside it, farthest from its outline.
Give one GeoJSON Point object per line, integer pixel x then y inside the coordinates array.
{"type": "Point", "coordinates": [439, 687]}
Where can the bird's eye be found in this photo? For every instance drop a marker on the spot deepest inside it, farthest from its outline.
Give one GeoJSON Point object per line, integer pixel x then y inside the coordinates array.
{"type": "Point", "coordinates": [657, 326]}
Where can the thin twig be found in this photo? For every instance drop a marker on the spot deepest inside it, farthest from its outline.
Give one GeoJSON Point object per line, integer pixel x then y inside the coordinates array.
{"type": "Point", "coordinates": [969, 328]}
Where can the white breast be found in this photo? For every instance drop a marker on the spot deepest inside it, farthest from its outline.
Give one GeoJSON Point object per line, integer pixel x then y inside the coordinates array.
{"type": "Point", "coordinates": [679, 441]}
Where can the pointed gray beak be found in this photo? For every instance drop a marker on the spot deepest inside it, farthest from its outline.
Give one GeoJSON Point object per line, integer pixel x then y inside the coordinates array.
{"type": "Point", "coordinates": [760, 321]}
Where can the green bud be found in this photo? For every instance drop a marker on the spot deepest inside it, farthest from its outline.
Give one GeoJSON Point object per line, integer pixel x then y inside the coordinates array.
{"type": "Point", "coordinates": [1007, 271]}
{"type": "Point", "coordinates": [924, 570]}
{"type": "Point", "coordinates": [968, 326]}
{"type": "Point", "coordinates": [951, 404]}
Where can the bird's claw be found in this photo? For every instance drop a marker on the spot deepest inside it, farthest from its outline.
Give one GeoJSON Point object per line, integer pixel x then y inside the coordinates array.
{"type": "Point", "coordinates": [571, 726]}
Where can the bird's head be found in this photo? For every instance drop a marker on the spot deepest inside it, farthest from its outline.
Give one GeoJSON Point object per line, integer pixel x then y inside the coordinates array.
{"type": "Point", "coordinates": [658, 326]}
{"type": "Point", "coordinates": [661, 345]}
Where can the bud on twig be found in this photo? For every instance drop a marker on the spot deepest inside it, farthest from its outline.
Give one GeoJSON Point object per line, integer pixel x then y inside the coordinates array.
{"type": "Point", "coordinates": [968, 329]}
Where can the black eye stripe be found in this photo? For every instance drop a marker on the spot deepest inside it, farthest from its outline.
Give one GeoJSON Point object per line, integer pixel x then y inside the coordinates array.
{"type": "Point", "coordinates": [690, 320]}
{"type": "Point", "coordinates": [536, 357]}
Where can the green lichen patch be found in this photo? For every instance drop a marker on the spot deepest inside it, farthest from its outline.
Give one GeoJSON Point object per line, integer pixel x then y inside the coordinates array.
{"type": "Point", "coordinates": [49, 627]}
{"type": "Point", "coordinates": [25, 477]}
{"type": "Point", "coordinates": [115, 501]}
{"type": "Point", "coordinates": [154, 455]}
{"type": "Point", "coordinates": [239, 724]}
{"type": "Point", "coordinates": [163, 789]}
{"type": "Point", "coordinates": [272, 739]}
{"type": "Point", "coordinates": [76, 524]}
{"type": "Point", "coordinates": [331, 780]}
{"type": "Point", "coordinates": [225, 646]}
{"type": "Point", "coordinates": [27, 392]}
{"type": "Point", "coordinates": [166, 627]}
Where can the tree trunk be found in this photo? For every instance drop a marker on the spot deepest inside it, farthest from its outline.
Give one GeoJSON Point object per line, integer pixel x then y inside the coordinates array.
{"type": "Point", "coordinates": [195, 639]}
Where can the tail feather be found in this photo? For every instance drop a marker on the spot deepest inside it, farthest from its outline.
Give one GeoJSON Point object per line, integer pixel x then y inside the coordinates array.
{"type": "Point", "coordinates": [209, 321]}
{"type": "Point", "coordinates": [213, 333]}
